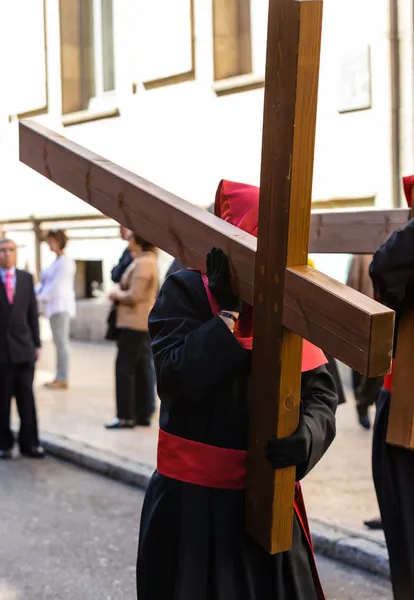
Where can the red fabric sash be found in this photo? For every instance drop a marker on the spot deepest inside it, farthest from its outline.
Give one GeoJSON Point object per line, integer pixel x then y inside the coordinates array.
{"type": "Point", "coordinates": [220, 468]}
{"type": "Point", "coordinates": [388, 379]}
{"type": "Point", "coordinates": [200, 464]}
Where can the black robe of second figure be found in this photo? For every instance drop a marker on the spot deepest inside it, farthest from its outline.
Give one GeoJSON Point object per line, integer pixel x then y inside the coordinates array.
{"type": "Point", "coordinates": [193, 544]}
{"type": "Point", "coordinates": [392, 272]}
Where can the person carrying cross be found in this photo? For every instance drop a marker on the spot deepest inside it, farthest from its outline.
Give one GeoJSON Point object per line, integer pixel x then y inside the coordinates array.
{"type": "Point", "coordinates": [193, 542]}
{"type": "Point", "coordinates": [392, 273]}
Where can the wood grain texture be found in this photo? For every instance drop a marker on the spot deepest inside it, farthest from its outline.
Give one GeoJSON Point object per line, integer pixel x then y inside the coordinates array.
{"type": "Point", "coordinates": [358, 232]}
{"type": "Point", "coordinates": [188, 232]}
{"type": "Point", "coordinates": [339, 319]}
{"type": "Point", "coordinates": [174, 225]}
{"type": "Point", "coordinates": [291, 92]}
{"type": "Point", "coordinates": [400, 430]}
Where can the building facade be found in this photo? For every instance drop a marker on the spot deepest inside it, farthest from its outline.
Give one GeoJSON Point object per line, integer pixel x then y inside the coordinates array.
{"type": "Point", "coordinates": [174, 92]}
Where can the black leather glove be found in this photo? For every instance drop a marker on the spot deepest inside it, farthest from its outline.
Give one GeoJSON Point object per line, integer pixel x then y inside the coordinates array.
{"type": "Point", "coordinates": [292, 451]}
{"type": "Point", "coordinates": [219, 280]}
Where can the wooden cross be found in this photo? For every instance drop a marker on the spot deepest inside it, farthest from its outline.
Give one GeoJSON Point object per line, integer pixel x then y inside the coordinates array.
{"type": "Point", "coordinates": [363, 232]}
{"type": "Point", "coordinates": [291, 301]}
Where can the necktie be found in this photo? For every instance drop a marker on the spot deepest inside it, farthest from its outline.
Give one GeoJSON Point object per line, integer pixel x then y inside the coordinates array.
{"type": "Point", "coordinates": [9, 286]}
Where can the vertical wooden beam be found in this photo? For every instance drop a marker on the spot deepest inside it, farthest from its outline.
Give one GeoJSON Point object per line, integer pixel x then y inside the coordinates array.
{"type": "Point", "coordinates": [291, 91]}
{"type": "Point", "coordinates": [400, 431]}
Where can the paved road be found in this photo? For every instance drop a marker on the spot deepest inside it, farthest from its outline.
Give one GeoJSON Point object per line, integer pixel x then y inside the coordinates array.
{"type": "Point", "coordinates": [68, 535]}
{"type": "Point", "coordinates": [329, 495]}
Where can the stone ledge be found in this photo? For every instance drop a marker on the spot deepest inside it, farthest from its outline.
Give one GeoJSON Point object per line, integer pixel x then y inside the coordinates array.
{"type": "Point", "coordinates": [351, 548]}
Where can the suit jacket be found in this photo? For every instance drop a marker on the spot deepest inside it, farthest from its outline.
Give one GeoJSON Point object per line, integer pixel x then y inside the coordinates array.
{"type": "Point", "coordinates": [19, 322]}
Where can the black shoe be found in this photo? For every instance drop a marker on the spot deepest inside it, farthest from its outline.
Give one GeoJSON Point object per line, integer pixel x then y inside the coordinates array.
{"type": "Point", "coordinates": [363, 417]}
{"type": "Point", "coordinates": [144, 422]}
{"type": "Point", "coordinates": [5, 454]}
{"type": "Point", "coordinates": [34, 452]}
{"type": "Point", "coordinates": [373, 524]}
{"type": "Point", "coordinates": [120, 424]}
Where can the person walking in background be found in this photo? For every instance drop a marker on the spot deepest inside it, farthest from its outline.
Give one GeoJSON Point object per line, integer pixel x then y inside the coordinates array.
{"type": "Point", "coordinates": [19, 351]}
{"type": "Point", "coordinates": [135, 386]}
{"type": "Point", "coordinates": [57, 298]}
{"type": "Point", "coordinates": [366, 389]}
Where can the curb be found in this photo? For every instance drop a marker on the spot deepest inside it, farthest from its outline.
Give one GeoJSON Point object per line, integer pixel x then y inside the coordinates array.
{"type": "Point", "coordinates": [335, 542]}
{"type": "Point", "coordinates": [102, 462]}
{"type": "Point", "coordinates": [350, 547]}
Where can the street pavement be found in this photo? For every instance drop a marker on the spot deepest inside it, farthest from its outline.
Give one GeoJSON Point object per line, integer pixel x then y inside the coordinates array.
{"type": "Point", "coordinates": [66, 534]}
{"type": "Point", "coordinates": [339, 491]}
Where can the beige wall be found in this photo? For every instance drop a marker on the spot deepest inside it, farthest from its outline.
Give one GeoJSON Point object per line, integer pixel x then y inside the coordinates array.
{"type": "Point", "coordinates": [406, 19]}
{"type": "Point", "coordinates": [185, 138]}
{"type": "Point", "coordinates": [181, 135]}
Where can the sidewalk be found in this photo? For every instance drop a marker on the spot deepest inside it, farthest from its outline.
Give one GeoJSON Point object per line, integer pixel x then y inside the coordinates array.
{"type": "Point", "coordinates": [339, 492]}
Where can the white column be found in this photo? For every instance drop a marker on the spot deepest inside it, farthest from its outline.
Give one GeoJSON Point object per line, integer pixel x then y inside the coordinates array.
{"type": "Point", "coordinates": [53, 60]}
{"type": "Point", "coordinates": [406, 20]}
{"type": "Point", "coordinates": [204, 46]}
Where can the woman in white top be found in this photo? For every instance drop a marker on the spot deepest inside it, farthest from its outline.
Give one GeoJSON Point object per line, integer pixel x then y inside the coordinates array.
{"type": "Point", "coordinates": [57, 296]}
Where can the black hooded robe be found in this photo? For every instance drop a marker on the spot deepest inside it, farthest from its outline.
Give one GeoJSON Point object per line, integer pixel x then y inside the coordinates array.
{"type": "Point", "coordinates": [331, 365]}
{"type": "Point", "coordinates": [392, 272]}
{"type": "Point", "coordinates": [193, 544]}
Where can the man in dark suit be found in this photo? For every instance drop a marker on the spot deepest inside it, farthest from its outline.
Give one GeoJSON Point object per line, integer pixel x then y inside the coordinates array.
{"type": "Point", "coordinates": [19, 350]}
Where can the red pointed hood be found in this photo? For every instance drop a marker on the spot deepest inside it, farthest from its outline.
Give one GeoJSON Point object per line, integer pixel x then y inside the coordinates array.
{"type": "Point", "coordinates": [238, 204]}
{"type": "Point", "coordinates": [408, 183]}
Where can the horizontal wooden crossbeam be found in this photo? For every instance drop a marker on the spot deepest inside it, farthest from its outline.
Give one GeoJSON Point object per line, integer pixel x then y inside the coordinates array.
{"type": "Point", "coordinates": [354, 232]}
{"type": "Point", "coordinates": [187, 231]}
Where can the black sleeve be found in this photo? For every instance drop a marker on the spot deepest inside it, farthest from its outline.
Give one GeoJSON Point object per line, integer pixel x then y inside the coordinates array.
{"type": "Point", "coordinates": [175, 266]}
{"type": "Point", "coordinates": [121, 267]}
{"type": "Point", "coordinates": [192, 351]}
{"type": "Point", "coordinates": [319, 402]}
{"type": "Point", "coordinates": [332, 368]}
{"type": "Point", "coordinates": [392, 268]}
{"type": "Point", "coordinates": [33, 316]}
